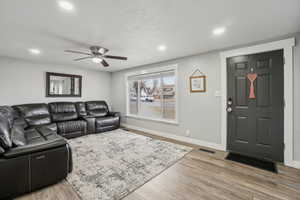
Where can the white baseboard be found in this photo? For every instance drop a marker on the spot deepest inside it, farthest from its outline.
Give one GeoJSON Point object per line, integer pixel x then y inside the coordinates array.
{"type": "Point", "coordinates": [295, 164]}
{"type": "Point", "coordinates": [177, 137]}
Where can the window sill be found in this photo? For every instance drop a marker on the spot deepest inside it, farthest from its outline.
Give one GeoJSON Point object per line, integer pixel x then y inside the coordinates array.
{"type": "Point", "coordinates": [175, 122]}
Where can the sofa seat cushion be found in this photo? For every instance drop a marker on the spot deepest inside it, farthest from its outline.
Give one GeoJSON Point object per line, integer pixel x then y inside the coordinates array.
{"type": "Point", "coordinates": [107, 121]}
{"type": "Point", "coordinates": [18, 135]}
{"type": "Point", "coordinates": [36, 140]}
{"type": "Point", "coordinates": [71, 126]}
{"type": "Point", "coordinates": [52, 127]}
{"type": "Point", "coordinates": [32, 134]}
{"type": "Point", "coordinates": [45, 131]}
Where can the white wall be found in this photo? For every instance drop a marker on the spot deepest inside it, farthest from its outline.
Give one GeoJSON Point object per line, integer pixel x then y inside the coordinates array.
{"type": "Point", "coordinates": [297, 98]}
{"type": "Point", "coordinates": [200, 112]}
{"type": "Point", "coordinates": [25, 82]}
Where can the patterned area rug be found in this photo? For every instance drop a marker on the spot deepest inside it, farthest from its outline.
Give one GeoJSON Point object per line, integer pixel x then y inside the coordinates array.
{"type": "Point", "coordinates": [108, 166]}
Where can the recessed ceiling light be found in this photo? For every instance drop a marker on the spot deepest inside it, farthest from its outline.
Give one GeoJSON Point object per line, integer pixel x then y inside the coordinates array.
{"type": "Point", "coordinates": [34, 51]}
{"type": "Point", "coordinates": [161, 48]}
{"type": "Point", "coordinates": [97, 60]}
{"type": "Point", "coordinates": [219, 31]}
{"type": "Point", "coordinates": [66, 5]}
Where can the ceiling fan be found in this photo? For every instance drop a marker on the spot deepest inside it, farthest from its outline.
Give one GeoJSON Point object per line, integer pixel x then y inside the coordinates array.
{"type": "Point", "coordinates": [97, 55]}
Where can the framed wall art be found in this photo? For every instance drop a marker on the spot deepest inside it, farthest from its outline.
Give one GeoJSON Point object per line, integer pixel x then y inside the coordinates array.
{"type": "Point", "coordinates": [198, 82]}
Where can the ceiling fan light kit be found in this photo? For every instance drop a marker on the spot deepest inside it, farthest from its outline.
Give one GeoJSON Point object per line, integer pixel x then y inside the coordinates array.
{"type": "Point", "coordinates": [97, 60]}
{"type": "Point", "coordinates": [97, 54]}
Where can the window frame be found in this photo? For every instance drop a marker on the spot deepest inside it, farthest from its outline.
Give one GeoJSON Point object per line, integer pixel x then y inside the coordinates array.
{"type": "Point", "coordinates": [150, 71]}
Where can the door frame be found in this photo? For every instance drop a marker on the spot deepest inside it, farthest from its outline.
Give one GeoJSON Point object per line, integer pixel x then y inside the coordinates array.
{"type": "Point", "coordinates": [287, 46]}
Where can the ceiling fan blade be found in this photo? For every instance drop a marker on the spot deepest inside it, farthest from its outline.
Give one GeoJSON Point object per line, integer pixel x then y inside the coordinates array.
{"type": "Point", "coordinates": [77, 59]}
{"type": "Point", "coordinates": [104, 63]}
{"type": "Point", "coordinates": [71, 51]}
{"type": "Point", "coordinates": [116, 57]}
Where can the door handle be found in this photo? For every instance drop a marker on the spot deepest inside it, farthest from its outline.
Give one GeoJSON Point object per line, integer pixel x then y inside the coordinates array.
{"type": "Point", "coordinates": [229, 104]}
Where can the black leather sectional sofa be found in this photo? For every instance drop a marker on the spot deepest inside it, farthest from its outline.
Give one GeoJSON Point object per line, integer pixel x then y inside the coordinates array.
{"type": "Point", "coordinates": [33, 150]}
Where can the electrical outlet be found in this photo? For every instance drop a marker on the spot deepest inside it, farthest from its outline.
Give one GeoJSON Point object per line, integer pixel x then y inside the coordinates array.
{"type": "Point", "coordinates": [188, 133]}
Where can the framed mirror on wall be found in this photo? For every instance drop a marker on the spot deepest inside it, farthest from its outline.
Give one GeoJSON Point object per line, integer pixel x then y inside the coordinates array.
{"type": "Point", "coordinates": [63, 85]}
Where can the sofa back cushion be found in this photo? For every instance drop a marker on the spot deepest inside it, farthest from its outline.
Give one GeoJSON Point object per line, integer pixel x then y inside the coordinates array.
{"type": "Point", "coordinates": [63, 111]}
{"type": "Point", "coordinates": [81, 110]}
{"type": "Point", "coordinates": [5, 132]}
{"type": "Point", "coordinates": [97, 108]}
{"type": "Point", "coordinates": [34, 114]}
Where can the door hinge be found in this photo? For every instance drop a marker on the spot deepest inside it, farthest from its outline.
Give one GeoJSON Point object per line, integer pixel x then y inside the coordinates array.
{"type": "Point", "coordinates": [284, 104]}
{"type": "Point", "coordinates": [283, 60]}
{"type": "Point", "coordinates": [283, 146]}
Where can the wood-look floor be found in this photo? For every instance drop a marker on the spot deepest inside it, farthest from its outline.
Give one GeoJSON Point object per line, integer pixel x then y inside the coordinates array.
{"type": "Point", "coordinates": [202, 176]}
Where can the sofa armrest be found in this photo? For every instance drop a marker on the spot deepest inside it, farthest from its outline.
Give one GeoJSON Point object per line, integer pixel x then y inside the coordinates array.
{"type": "Point", "coordinates": [45, 131]}
{"type": "Point", "coordinates": [114, 114]}
{"type": "Point", "coordinates": [37, 147]}
{"type": "Point", "coordinates": [46, 127]}
{"type": "Point", "coordinates": [91, 123]}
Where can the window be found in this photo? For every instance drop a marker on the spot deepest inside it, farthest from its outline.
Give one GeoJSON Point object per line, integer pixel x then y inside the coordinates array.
{"type": "Point", "coordinates": [152, 95]}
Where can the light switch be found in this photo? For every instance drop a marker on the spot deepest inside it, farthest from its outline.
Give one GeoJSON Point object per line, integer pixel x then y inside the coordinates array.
{"type": "Point", "coordinates": [218, 93]}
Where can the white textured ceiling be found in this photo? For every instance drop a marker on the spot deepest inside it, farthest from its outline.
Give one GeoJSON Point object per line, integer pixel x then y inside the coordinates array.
{"type": "Point", "coordinates": [135, 28]}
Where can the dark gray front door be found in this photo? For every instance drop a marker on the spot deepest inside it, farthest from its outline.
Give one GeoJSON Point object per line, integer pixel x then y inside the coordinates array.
{"type": "Point", "coordinates": [255, 123]}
